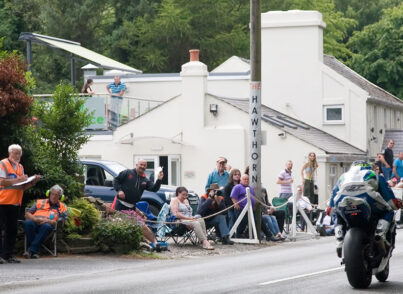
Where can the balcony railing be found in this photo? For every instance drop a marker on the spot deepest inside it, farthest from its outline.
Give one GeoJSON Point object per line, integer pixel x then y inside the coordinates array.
{"type": "Point", "coordinates": [110, 112]}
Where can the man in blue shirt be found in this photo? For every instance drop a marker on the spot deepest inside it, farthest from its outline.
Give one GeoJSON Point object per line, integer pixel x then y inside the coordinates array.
{"type": "Point", "coordinates": [398, 167]}
{"type": "Point", "coordinates": [219, 175]}
{"type": "Point", "coordinates": [116, 90]}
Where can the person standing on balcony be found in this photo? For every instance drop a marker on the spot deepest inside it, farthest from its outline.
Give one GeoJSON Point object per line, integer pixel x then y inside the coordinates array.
{"type": "Point", "coordinates": [116, 90]}
{"type": "Point", "coordinates": [87, 88]}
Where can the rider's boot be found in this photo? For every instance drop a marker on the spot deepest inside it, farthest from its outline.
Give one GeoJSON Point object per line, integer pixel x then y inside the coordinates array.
{"type": "Point", "coordinates": [380, 235]}
{"type": "Point", "coordinates": [381, 229]}
{"type": "Point", "coordinates": [339, 234]}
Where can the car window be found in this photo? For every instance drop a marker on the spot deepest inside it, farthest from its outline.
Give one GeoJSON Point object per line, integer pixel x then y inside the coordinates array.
{"type": "Point", "coordinates": [108, 176]}
{"type": "Point", "coordinates": [94, 175]}
{"type": "Point", "coordinates": [116, 167]}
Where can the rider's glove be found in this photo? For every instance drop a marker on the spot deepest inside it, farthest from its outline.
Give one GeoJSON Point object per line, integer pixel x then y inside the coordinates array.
{"type": "Point", "coordinates": [397, 202]}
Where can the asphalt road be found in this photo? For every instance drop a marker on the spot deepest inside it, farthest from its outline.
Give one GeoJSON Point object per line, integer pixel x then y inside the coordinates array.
{"type": "Point", "coordinates": [305, 266]}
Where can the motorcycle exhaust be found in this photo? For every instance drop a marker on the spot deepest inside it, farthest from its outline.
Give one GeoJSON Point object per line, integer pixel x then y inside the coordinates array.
{"type": "Point", "coordinates": [380, 245]}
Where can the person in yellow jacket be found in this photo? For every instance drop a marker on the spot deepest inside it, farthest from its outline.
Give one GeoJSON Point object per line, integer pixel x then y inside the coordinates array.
{"type": "Point", "coordinates": [11, 191]}
{"type": "Point", "coordinates": [41, 219]}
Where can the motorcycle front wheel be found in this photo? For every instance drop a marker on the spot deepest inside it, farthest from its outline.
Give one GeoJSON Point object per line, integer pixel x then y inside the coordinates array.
{"type": "Point", "coordinates": [359, 272]}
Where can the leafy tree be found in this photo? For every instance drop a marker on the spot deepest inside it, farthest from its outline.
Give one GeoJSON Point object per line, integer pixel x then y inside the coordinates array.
{"type": "Point", "coordinates": [378, 51]}
{"type": "Point", "coordinates": [160, 39]}
{"type": "Point", "coordinates": [15, 103]}
{"type": "Point", "coordinates": [18, 16]}
{"type": "Point", "coordinates": [364, 13]}
{"type": "Point", "coordinates": [58, 137]}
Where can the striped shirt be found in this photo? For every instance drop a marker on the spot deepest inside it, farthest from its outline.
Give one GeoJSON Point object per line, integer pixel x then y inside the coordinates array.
{"type": "Point", "coordinates": [115, 89]}
{"type": "Point", "coordinates": [285, 175]}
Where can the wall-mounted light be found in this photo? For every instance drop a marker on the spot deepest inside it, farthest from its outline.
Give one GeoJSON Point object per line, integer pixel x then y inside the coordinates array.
{"type": "Point", "coordinates": [282, 135]}
{"type": "Point", "coordinates": [213, 109]}
{"type": "Point", "coordinates": [380, 131]}
{"type": "Point", "coordinates": [372, 130]}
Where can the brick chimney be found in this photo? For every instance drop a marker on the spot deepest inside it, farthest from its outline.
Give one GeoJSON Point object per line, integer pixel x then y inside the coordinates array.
{"type": "Point", "coordinates": [194, 54]}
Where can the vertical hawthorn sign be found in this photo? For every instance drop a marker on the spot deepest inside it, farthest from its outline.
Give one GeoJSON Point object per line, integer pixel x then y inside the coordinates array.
{"type": "Point", "coordinates": [255, 106]}
{"type": "Point", "coordinates": [255, 133]}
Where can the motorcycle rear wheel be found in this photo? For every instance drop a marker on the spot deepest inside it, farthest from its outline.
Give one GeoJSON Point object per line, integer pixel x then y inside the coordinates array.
{"type": "Point", "coordinates": [359, 272]}
{"type": "Point", "coordinates": [383, 275]}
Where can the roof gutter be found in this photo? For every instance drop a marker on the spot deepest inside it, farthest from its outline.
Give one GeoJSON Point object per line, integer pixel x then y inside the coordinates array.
{"type": "Point", "coordinates": [385, 103]}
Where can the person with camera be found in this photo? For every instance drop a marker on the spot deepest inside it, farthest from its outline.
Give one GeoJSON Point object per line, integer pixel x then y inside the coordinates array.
{"type": "Point", "coordinates": [213, 202]}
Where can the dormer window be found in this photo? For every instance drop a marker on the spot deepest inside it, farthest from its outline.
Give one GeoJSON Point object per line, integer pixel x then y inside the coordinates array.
{"type": "Point", "coordinates": [333, 114]}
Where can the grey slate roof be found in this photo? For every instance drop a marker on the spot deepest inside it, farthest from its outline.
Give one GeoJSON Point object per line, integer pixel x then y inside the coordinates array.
{"type": "Point", "coordinates": [374, 91]}
{"type": "Point", "coordinates": [299, 129]}
{"type": "Point", "coordinates": [397, 136]}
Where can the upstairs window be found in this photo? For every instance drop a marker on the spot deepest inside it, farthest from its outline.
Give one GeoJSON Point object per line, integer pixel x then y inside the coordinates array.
{"type": "Point", "coordinates": [333, 114]}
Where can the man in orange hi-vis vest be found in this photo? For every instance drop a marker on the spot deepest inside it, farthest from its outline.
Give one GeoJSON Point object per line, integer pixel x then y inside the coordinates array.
{"type": "Point", "coordinates": [41, 219]}
{"type": "Point", "coordinates": [11, 192]}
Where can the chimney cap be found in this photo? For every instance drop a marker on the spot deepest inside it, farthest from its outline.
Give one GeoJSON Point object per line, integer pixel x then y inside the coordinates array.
{"type": "Point", "coordinates": [194, 54]}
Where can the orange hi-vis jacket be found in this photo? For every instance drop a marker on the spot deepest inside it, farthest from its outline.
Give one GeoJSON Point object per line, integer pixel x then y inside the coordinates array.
{"type": "Point", "coordinates": [11, 195]}
{"type": "Point", "coordinates": [44, 209]}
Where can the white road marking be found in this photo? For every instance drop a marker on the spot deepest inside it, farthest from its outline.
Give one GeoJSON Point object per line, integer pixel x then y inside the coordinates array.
{"type": "Point", "coordinates": [302, 276]}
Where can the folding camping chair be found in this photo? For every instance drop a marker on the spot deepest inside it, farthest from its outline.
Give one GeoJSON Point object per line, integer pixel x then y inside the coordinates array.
{"type": "Point", "coordinates": [50, 243]}
{"type": "Point", "coordinates": [144, 207]}
{"type": "Point", "coordinates": [178, 232]}
{"type": "Point", "coordinates": [282, 204]}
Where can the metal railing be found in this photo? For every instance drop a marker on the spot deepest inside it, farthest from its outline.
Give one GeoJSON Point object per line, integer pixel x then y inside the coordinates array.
{"type": "Point", "coordinates": [110, 112]}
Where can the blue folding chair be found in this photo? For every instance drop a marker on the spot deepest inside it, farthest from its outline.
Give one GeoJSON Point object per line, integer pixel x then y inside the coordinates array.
{"type": "Point", "coordinates": [144, 207]}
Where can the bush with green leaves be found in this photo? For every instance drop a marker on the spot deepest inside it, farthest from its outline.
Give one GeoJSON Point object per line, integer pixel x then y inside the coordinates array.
{"type": "Point", "coordinates": [56, 139]}
{"type": "Point", "coordinates": [82, 222]}
{"type": "Point", "coordinates": [119, 233]}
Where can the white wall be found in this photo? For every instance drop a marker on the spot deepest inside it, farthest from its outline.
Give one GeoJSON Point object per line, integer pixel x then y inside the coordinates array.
{"type": "Point", "coordinates": [292, 48]}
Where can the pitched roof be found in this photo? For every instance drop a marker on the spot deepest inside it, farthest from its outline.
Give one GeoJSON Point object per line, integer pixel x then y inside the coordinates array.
{"type": "Point", "coordinates": [374, 91]}
{"type": "Point", "coordinates": [299, 129]}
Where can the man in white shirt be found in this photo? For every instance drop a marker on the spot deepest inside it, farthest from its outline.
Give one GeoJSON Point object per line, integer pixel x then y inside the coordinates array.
{"type": "Point", "coordinates": [302, 202]}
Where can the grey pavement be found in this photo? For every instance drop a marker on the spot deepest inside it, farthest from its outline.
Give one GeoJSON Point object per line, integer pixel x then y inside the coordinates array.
{"type": "Point", "coordinates": [305, 266]}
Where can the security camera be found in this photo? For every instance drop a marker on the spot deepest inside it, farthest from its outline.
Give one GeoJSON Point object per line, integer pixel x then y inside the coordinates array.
{"type": "Point", "coordinates": [282, 134]}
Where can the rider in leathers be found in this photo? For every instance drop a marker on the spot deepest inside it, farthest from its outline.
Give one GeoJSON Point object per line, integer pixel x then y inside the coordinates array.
{"type": "Point", "coordinates": [360, 181]}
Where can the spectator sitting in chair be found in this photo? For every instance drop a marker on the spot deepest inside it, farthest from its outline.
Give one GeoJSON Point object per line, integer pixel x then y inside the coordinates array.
{"type": "Point", "coordinates": [302, 202]}
{"type": "Point", "coordinates": [278, 213]}
{"type": "Point", "coordinates": [182, 210]}
{"type": "Point", "coordinates": [41, 220]}
{"type": "Point", "coordinates": [273, 218]}
{"type": "Point", "coordinates": [325, 224]}
{"type": "Point", "coordinates": [211, 203]}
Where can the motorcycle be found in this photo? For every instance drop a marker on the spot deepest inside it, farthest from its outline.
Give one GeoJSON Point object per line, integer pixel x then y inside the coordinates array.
{"type": "Point", "coordinates": [365, 253]}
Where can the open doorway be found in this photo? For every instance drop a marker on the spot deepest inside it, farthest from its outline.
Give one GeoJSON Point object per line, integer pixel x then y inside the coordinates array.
{"type": "Point", "coordinates": [169, 163]}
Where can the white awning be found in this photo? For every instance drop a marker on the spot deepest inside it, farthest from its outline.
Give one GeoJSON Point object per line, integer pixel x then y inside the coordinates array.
{"type": "Point", "coordinates": [76, 49]}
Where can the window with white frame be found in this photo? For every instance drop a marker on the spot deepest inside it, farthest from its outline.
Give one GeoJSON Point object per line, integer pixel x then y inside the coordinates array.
{"type": "Point", "coordinates": [333, 114]}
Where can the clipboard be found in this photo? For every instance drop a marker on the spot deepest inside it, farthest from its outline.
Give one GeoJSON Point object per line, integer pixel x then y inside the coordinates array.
{"type": "Point", "coordinates": [30, 179]}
